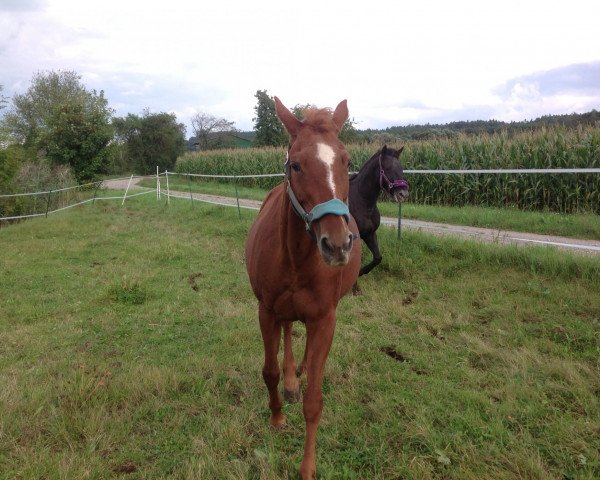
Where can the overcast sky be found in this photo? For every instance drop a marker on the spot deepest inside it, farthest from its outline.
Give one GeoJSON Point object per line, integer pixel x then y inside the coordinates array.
{"type": "Point", "coordinates": [397, 62]}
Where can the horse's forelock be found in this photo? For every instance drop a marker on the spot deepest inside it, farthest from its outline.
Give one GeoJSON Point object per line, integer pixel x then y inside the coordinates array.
{"type": "Point", "coordinates": [393, 152]}
{"type": "Point", "coordinates": [320, 119]}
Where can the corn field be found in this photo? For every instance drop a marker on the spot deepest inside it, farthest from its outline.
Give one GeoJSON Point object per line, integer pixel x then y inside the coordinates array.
{"type": "Point", "coordinates": [545, 148]}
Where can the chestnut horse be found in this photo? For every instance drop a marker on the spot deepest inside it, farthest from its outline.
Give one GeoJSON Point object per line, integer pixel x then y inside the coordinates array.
{"type": "Point", "coordinates": [302, 257]}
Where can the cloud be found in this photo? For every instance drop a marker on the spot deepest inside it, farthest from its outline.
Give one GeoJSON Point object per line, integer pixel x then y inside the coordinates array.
{"type": "Point", "coordinates": [133, 92]}
{"type": "Point", "coordinates": [21, 5]}
{"type": "Point", "coordinates": [435, 66]}
{"type": "Point", "coordinates": [568, 89]}
{"type": "Point", "coordinates": [581, 79]}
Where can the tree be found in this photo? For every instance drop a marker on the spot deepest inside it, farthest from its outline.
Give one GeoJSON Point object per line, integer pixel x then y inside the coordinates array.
{"type": "Point", "coordinates": [3, 130]}
{"type": "Point", "coordinates": [209, 130]}
{"type": "Point", "coordinates": [59, 118]}
{"type": "Point", "coordinates": [349, 133]}
{"type": "Point", "coordinates": [79, 138]}
{"type": "Point", "coordinates": [3, 100]}
{"type": "Point", "coordinates": [155, 139]}
{"type": "Point", "coordinates": [10, 158]}
{"type": "Point", "coordinates": [269, 130]}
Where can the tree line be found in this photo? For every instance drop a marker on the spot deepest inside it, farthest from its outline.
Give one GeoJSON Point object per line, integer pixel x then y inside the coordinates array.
{"type": "Point", "coordinates": [59, 128]}
{"type": "Point", "coordinates": [478, 127]}
{"type": "Point", "coordinates": [59, 132]}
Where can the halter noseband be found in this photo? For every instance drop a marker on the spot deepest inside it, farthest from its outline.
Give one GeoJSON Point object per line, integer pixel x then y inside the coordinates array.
{"type": "Point", "coordinates": [398, 183]}
{"type": "Point", "coordinates": [331, 207]}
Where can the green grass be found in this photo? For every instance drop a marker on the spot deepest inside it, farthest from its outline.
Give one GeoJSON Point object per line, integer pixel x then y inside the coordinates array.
{"type": "Point", "coordinates": [574, 225]}
{"type": "Point", "coordinates": [227, 188]}
{"type": "Point", "coordinates": [578, 225]}
{"type": "Point", "coordinates": [459, 361]}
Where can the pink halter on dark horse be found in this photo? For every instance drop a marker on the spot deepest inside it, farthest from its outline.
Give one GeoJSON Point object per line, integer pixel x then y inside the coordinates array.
{"type": "Point", "coordinates": [302, 257]}
{"type": "Point", "coordinates": [381, 173]}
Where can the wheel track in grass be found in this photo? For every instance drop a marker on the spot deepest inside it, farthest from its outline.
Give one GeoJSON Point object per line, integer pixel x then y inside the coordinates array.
{"type": "Point", "coordinates": [490, 235]}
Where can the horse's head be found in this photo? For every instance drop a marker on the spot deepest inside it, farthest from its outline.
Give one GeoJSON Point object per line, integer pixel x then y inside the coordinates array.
{"type": "Point", "coordinates": [317, 176]}
{"type": "Point", "coordinates": [391, 174]}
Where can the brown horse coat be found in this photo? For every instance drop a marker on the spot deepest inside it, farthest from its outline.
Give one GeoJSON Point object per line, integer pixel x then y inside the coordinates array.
{"type": "Point", "coordinates": [294, 284]}
{"type": "Point", "coordinates": [298, 274]}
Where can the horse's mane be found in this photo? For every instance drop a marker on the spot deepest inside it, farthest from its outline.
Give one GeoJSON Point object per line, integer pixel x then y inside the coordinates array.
{"type": "Point", "coordinates": [365, 165]}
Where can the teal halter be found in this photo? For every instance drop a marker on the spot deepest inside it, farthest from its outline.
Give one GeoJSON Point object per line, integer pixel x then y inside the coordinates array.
{"type": "Point", "coordinates": [331, 207]}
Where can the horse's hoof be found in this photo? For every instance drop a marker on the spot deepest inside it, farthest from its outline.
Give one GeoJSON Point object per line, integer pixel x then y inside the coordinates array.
{"type": "Point", "coordinates": [292, 396]}
{"type": "Point", "coordinates": [356, 291]}
{"type": "Point", "coordinates": [278, 422]}
{"type": "Point", "coordinates": [308, 473]}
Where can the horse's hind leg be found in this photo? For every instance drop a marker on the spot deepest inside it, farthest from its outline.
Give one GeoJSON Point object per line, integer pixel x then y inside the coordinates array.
{"type": "Point", "coordinates": [291, 386]}
{"type": "Point", "coordinates": [371, 242]}
{"type": "Point", "coordinates": [271, 333]}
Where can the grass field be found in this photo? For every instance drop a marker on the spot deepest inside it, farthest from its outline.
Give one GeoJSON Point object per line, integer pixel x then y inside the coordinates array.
{"type": "Point", "coordinates": [459, 361]}
{"type": "Point", "coordinates": [578, 225]}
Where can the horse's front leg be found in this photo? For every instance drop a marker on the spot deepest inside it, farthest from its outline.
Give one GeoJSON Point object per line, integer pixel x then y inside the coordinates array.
{"type": "Point", "coordinates": [271, 333]}
{"type": "Point", "coordinates": [319, 337]}
{"type": "Point", "coordinates": [371, 241]}
{"type": "Point", "coordinates": [291, 386]}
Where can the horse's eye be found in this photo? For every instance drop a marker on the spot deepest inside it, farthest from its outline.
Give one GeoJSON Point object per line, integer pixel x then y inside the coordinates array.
{"type": "Point", "coordinates": [296, 167]}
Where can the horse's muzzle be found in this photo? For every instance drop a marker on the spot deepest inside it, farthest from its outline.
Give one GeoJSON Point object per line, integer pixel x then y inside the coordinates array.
{"type": "Point", "coordinates": [400, 194]}
{"type": "Point", "coordinates": [336, 254]}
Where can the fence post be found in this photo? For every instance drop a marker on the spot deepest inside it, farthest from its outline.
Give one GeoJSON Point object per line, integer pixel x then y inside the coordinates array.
{"type": "Point", "coordinates": [128, 185]}
{"type": "Point", "coordinates": [96, 191]}
{"type": "Point", "coordinates": [190, 187]}
{"type": "Point", "coordinates": [399, 220]}
{"type": "Point", "coordinates": [237, 197]}
{"type": "Point", "coordinates": [168, 190]}
{"type": "Point", "coordinates": [48, 203]}
{"type": "Point", "coordinates": [157, 184]}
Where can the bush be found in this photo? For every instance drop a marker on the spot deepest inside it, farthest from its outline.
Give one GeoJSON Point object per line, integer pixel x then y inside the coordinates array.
{"type": "Point", "coordinates": [31, 177]}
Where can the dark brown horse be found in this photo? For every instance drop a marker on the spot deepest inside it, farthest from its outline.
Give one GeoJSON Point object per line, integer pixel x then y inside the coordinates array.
{"type": "Point", "coordinates": [302, 258]}
{"type": "Point", "coordinates": [382, 172]}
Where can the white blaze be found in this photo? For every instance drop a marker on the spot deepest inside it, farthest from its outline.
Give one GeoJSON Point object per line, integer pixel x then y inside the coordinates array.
{"type": "Point", "coordinates": [326, 155]}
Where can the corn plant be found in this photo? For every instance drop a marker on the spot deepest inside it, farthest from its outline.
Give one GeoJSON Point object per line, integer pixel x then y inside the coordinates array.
{"type": "Point", "coordinates": [555, 147]}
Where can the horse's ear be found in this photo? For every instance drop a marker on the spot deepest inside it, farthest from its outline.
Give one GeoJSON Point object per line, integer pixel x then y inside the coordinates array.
{"type": "Point", "coordinates": [290, 122]}
{"type": "Point", "coordinates": [340, 115]}
{"type": "Point", "coordinates": [400, 150]}
{"type": "Point", "coordinates": [383, 151]}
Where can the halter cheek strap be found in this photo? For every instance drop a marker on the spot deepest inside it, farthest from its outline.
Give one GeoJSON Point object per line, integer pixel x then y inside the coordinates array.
{"type": "Point", "coordinates": [398, 183]}
{"type": "Point", "coordinates": [331, 207]}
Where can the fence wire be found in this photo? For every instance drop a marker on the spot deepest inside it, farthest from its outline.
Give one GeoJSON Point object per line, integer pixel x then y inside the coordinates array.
{"type": "Point", "coordinates": [17, 206]}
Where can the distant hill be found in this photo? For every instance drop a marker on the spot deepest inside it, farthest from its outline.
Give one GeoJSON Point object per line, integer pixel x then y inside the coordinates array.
{"type": "Point", "coordinates": [415, 132]}
{"type": "Point", "coordinates": [423, 132]}
{"type": "Point", "coordinates": [225, 140]}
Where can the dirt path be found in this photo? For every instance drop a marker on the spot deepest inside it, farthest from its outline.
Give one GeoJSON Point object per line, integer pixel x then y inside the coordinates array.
{"type": "Point", "coordinates": [499, 236]}
{"type": "Point", "coordinates": [476, 233]}
{"type": "Point", "coordinates": [121, 183]}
